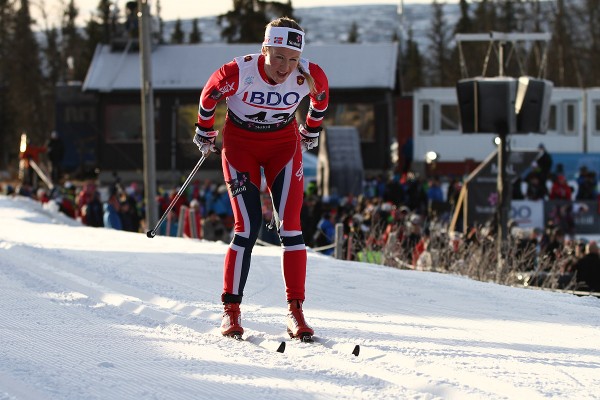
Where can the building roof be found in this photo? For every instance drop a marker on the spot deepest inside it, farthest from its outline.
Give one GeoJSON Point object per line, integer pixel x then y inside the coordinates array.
{"type": "Point", "coordinates": [188, 67]}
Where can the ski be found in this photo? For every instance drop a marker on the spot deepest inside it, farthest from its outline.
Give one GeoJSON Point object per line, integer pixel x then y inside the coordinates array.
{"type": "Point", "coordinates": [282, 345]}
{"type": "Point", "coordinates": [310, 339]}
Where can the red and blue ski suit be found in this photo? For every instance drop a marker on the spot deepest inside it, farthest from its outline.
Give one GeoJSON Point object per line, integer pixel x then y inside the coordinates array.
{"type": "Point", "coordinates": [261, 131]}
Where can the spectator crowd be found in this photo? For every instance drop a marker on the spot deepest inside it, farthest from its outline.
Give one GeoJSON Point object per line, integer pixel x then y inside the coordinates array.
{"type": "Point", "coordinates": [400, 221]}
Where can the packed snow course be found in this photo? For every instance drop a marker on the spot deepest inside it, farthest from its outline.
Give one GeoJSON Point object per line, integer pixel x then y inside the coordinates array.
{"type": "Point", "coordinates": [93, 313]}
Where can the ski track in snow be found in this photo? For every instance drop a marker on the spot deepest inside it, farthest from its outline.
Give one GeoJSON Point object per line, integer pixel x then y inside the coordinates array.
{"type": "Point", "coordinates": [92, 314]}
{"type": "Point", "coordinates": [159, 310]}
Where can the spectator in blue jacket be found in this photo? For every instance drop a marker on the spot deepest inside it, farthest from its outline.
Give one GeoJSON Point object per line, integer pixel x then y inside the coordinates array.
{"type": "Point", "coordinates": [325, 234]}
{"type": "Point", "coordinates": [435, 197]}
{"type": "Point", "coordinates": [111, 217]}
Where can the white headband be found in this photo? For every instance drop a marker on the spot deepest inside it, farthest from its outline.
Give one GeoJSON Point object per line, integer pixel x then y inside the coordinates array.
{"type": "Point", "coordinates": [278, 36]}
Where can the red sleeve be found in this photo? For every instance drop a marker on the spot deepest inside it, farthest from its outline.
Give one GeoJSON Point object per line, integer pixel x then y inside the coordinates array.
{"type": "Point", "coordinates": [318, 100]}
{"type": "Point", "coordinates": [221, 84]}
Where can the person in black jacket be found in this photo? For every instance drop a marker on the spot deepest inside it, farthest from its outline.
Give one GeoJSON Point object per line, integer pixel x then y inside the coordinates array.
{"type": "Point", "coordinates": [56, 153]}
{"type": "Point", "coordinates": [544, 162]}
{"type": "Point", "coordinates": [587, 269]}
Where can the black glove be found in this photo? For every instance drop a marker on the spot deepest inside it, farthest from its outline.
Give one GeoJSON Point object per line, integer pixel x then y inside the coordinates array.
{"type": "Point", "coordinates": [205, 140]}
{"type": "Point", "coordinates": [310, 137]}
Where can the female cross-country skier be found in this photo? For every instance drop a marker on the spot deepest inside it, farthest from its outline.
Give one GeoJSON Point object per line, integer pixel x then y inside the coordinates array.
{"type": "Point", "coordinates": [263, 91]}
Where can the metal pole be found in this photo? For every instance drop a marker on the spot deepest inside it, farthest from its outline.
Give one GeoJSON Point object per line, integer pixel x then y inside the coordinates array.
{"type": "Point", "coordinates": [151, 233]}
{"type": "Point", "coordinates": [147, 97]}
{"type": "Point", "coordinates": [339, 241]}
{"type": "Point", "coordinates": [504, 189]}
{"type": "Point", "coordinates": [501, 58]}
{"type": "Point", "coordinates": [174, 113]}
{"type": "Point", "coordinates": [503, 203]}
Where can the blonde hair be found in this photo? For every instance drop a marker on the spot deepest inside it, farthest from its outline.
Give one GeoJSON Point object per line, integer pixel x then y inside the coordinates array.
{"type": "Point", "coordinates": [286, 22]}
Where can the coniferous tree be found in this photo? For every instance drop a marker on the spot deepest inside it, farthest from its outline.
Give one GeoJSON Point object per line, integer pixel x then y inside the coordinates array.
{"type": "Point", "coordinates": [439, 48]}
{"type": "Point", "coordinates": [73, 45]}
{"type": "Point", "coordinates": [562, 65]}
{"type": "Point", "coordinates": [484, 21]}
{"type": "Point", "coordinates": [104, 16]}
{"type": "Point", "coordinates": [275, 9]}
{"type": "Point", "coordinates": [507, 18]}
{"type": "Point", "coordinates": [353, 33]}
{"type": "Point", "coordinates": [195, 34]}
{"type": "Point", "coordinates": [412, 68]}
{"type": "Point", "coordinates": [26, 83]}
{"type": "Point", "coordinates": [177, 36]}
{"type": "Point", "coordinates": [8, 149]}
{"type": "Point", "coordinates": [245, 23]}
{"type": "Point", "coordinates": [97, 31]}
{"type": "Point", "coordinates": [53, 57]}
{"type": "Point", "coordinates": [94, 32]}
{"type": "Point", "coordinates": [464, 25]}
{"type": "Point", "coordinates": [465, 22]}
{"type": "Point", "coordinates": [507, 22]}
{"type": "Point", "coordinates": [485, 16]}
{"type": "Point", "coordinates": [586, 15]}
{"type": "Point", "coordinates": [161, 23]}
{"type": "Point", "coordinates": [538, 20]}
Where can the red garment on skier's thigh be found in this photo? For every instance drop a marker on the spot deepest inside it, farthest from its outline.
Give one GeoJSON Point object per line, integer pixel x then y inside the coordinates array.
{"type": "Point", "coordinates": [280, 156]}
{"type": "Point", "coordinates": [248, 151]}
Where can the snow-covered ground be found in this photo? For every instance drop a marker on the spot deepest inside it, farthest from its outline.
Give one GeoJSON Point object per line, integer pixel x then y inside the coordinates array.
{"type": "Point", "coordinates": [97, 314]}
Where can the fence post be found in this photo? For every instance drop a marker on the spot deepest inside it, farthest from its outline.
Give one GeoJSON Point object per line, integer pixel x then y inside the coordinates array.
{"type": "Point", "coordinates": [339, 241]}
{"type": "Point", "coordinates": [388, 248]}
{"type": "Point", "coordinates": [180, 223]}
{"type": "Point", "coordinates": [349, 250]}
{"type": "Point", "coordinates": [192, 222]}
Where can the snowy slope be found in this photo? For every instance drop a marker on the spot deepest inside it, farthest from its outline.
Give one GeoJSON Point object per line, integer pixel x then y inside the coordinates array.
{"type": "Point", "coordinates": [98, 314]}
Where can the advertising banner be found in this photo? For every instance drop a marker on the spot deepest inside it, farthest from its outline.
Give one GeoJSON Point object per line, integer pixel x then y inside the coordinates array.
{"type": "Point", "coordinates": [482, 184]}
{"type": "Point", "coordinates": [527, 213]}
{"type": "Point", "coordinates": [574, 217]}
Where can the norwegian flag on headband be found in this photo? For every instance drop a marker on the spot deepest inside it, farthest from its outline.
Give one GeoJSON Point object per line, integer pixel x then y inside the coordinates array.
{"type": "Point", "coordinates": [278, 40]}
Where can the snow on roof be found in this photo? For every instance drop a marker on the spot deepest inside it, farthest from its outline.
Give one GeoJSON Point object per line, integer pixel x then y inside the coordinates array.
{"type": "Point", "coordinates": [188, 67]}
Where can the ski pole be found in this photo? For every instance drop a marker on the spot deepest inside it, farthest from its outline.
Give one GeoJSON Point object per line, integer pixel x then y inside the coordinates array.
{"type": "Point", "coordinates": [152, 232]}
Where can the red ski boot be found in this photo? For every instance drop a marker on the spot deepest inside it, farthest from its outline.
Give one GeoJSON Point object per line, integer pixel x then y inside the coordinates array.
{"type": "Point", "coordinates": [296, 325]}
{"type": "Point", "coordinates": [231, 325]}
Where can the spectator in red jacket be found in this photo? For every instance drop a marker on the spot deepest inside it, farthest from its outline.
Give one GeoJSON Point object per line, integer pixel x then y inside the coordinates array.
{"type": "Point", "coordinates": [192, 222]}
{"type": "Point", "coordinates": [560, 189]}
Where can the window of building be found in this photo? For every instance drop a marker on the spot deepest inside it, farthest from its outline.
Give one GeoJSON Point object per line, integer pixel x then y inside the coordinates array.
{"type": "Point", "coordinates": [450, 117]}
{"type": "Point", "coordinates": [570, 118]}
{"type": "Point", "coordinates": [360, 115]}
{"type": "Point", "coordinates": [123, 123]}
{"type": "Point", "coordinates": [426, 119]}
{"type": "Point", "coordinates": [596, 111]}
{"type": "Point", "coordinates": [552, 124]}
{"type": "Point", "coordinates": [187, 115]}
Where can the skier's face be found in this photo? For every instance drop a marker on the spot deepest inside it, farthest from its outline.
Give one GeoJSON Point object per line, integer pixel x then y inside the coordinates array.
{"type": "Point", "coordinates": [280, 62]}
